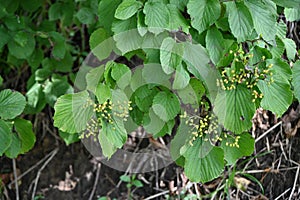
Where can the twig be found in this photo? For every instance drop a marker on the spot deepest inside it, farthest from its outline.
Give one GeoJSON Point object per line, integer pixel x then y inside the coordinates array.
{"type": "Point", "coordinates": [54, 152]}
{"type": "Point", "coordinates": [15, 177]}
{"type": "Point", "coordinates": [157, 195]}
{"type": "Point", "coordinates": [282, 194]}
{"type": "Point", "coordinates": [295, 182]}
{"type": "Point", "coordinates": [96, 181]}
{"type": "Point", "coordinates": [268, 131]}
{"type": "Point", "coordinates": [29, 170]}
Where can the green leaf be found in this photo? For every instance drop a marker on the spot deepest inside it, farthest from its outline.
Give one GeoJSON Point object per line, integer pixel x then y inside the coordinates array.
{"type": "Point", "coordinates": [199, 168]}
{"type": "Point", "coordinates": [127, 9]}
{"type": "Point", "coordinates": [232, 111]}
{"type": "Point", "coordinates": [15, 147]}
{"type": "Point", "coordinates": [170, 55]}
{"type": "Point", "coordinates": [68, 138]}
{"type": "Point", "coordinates": [115, 133]}
{"type": "Point", "coordinates": [240, 20]}
{"type": "Point", "coordinates": [31, 5]}
{"type": "Point", "coordinates": [121, 74]}
{"type": "Point", "coordinates": [86, 16]}
{"type": "Point", "coordinates": [288, 3]}
{"type": "Point", "coordinates": [1, 81]}
{"type": "Point", "coordinates": [177, 21]}
{"type": "Point", "coordinates": [203, 13]}
{"type": "Point", "coordinates": [277, 95]}
{"type": "Point", "coordinates": [106, 13]}
{"type": "Point", "coordinates": [280, 68]}
{"type": "Point", "coordinates": [154, 123]}
{"type": "Point", "coordinates": [35, 59]}
{"type": "Point", "coordinates": [22, 45]}
{"type": "Point", "coordinates": [72, 112]}
{"type": "Point", "coordinates": [292, 14]}
{"type": "Point", "coordinates": [125, 178]}
{"type": "Point", "coordinates": [296, 79]}
{"type": "Point", "coordinates": [137, 183]}
{"type": "Point", "coordinates": [143, 97]}
{"type": "Point", "coordinates": [102, 93]}
{"type": "Point", "coordinates": [63, 11]}
{"type": "Point", "coordinates": [108, 149]}
{"type": "Point", "coordinates": [59, 48]}
{"type": "Point", "coordinates": [166, 105]}
{"type": "Point", "coordinates": [55, 88]}
{"type": "Point", "coordinates": [277, 50]}
{"type": "Point", "coordinates": [182, 78]}
{"type": "Point", "coordinates": [153, 73]}
{"type": "Point", "coordinates": [5, 137]}
{"type": "Point", "coordinates": [141, 26]}
{"type": "Point", "coordinates": [192, 93]}
{"type": "Point", "coordinates": [12, 104]}
{"type": "Point", "coordinates": [101, 44]}
{"type": "Point", "coordinates": [4, 37]}
{"type": "Point", "coordinates": [127, 41]}
{"type": "Point", "coordinates": [264, 19]}
{"type": "Point", "coordinates": [290, 47]}
{"type": "Point", "coordinates": [157, 16]}
{"type": "Point", "coordinates": [35, 99]}
{"type": "Point", "coordinates": [94, 77]}
{"type": "Point", "coordinates": [215, 44]}
{"type": "Point", "coordinates": [245, 148]}
{"type": "Point", "coordinates": [26, 135]}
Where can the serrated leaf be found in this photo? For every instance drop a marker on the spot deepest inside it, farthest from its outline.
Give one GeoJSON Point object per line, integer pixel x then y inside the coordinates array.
{"type": "Point", "coordinates": [290, 47]}
{"type": "Point", "coordinates": [155, 123]}
{"type": "Point", "coordinates": [15, 147]}
{"type": "Point", "coordinates": [106, 13]}
{"type": "Point", "coordinates": [245, 148]}
{"type": "Point", "coordinates": [68, 138]}
{"type": "Point", "coordinates": [240, 20]}
{"type": "Point", "coordinates": [157, 16]}
{"type": "Point", "coordinates": [153, 74]}
{"type": "Point", "coordinates": [5, 137]}
{"type": "Point", "coordinates": [129, 40]}
{"type": "Point", "coordinates": [280, 68]}
{"type": "Point", "coordinates": [127, 9]}
{"type": "Point", "coordinates": [115, 133]}
{"type": "Point", "coordinates": [166, 105]}
{"type": "Point", "coordinates": [143, 97]}
{"type": "Point", "coordinates": [22, 45]}
{"type": "Point", "coordinates": [203, 169]}
{"type": "Point", "coordinates": [94, 77]}
{"type": "Point", "coordinates": [278, 49]}
{"type": "Point", "coordinates": [203, 13]}
{"type": "Point", "coordinates": [102, 93]}
{"type": "Point", "coordinates": [108, 149]}
{"type": "Point", "coordinates": [35, 59]}
{"type": "Point", "coordinates": [277, 104]}
{"type": "Point", "coordinates": [72, 112]}
{"type": "Point", "coordinates": [264, 19]}
{"type": "Point", "coordinates": [86, 15]}
{"type": "Point", "coordinates": [35, 99]}
{"type": "Point", "coordinates": [59, 48]}
{"type": "Point", "coordinates": [215, 44]}
{"type": "Point", "coordinates": [55, 88]}
{"type": "Point", "coordinates": [4, 37]}
{"type": "Point", "coordinates": [12, 104]}
{"type": "Point", "coordinates": [296, 79]}
{"type": "Point", "coordinates": [26, 135]}
{"type": "Point", "coordinates": [232, 111]}
{"type": "Point", "coordinates": [101, 44]}
{"type": "Point", "coordinates": [31, 5]}
{"type": "Point", "coordinates": [182, 78]}
{"type": "Point", "coordinates": [192, 93]}
{"type": "Point", "coordinates": [121, 74]}
{"type": "Point", "coordinates": [177, 21]}
{"type": "Point", "coordinates": [288, 3]}
{"type": "Point", "coordinates": [292, 14]}
{"type": "Point", "coordinates": [63, 11]}
{"type": "Point", "coordinates": [141, 26]}
{"type": "Point", "coordinates": [170, 55]}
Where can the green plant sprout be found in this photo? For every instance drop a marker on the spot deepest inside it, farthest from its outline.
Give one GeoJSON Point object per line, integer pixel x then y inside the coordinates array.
{"type": "Point", "coordinates": [131, 182]}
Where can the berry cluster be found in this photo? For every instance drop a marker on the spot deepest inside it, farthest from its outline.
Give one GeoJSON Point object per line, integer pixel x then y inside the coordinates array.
{"type": "Point", "coordinates": [202, 126]}
{"type": "Point", "coordinates": [242, 73]}
{"type": "Point", "coordinates": [235, 140]}
{"type": "Point", "coordinates": [106, 113]}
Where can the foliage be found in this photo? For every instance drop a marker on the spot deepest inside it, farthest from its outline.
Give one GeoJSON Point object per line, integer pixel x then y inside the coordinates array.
{"type": "Point", "coordinates": [208, 64]}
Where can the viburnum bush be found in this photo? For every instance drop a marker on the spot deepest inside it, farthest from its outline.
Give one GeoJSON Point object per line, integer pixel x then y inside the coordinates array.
{"type": "Point", "coordinates": [199, 68]}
